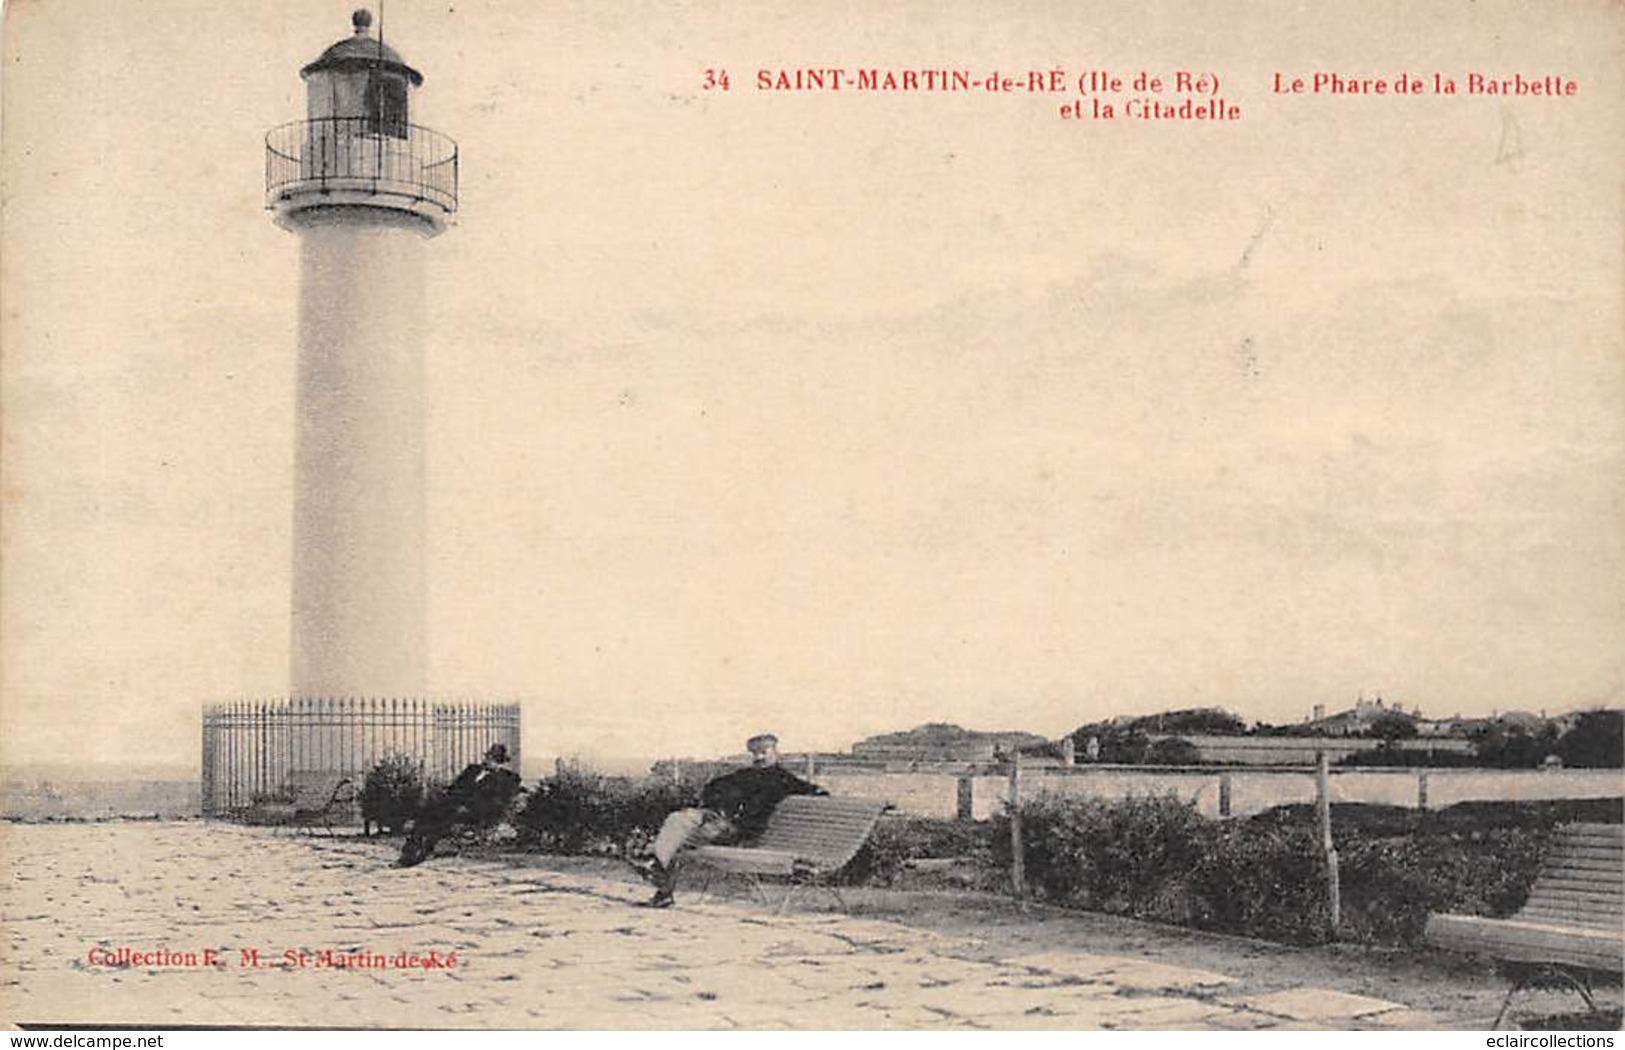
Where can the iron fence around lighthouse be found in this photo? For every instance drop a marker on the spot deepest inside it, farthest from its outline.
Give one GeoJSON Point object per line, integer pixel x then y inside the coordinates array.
{"type": "Point", "coordinates": [257, 751]}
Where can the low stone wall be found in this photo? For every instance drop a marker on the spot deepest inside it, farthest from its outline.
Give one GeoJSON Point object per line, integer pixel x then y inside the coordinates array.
{"type": "Point", "coordinates": [938, 794]}
{"type": "Point", "coordinates": [1301, 750]}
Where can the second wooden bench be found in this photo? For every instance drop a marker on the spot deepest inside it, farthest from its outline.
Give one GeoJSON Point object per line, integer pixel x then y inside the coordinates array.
{"type": "Point", "coordinates": [808, 840]}
{"type": "Point", "coordinates": [1570, 925]}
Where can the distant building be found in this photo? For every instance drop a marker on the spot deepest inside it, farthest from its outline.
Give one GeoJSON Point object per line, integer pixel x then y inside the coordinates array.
{"type": "Point", "coordinates": [941, 742]}
{"type": "Point", "coordinates": [1357, 720]}
{"type": "Point", "coordinates": [1453, 727]}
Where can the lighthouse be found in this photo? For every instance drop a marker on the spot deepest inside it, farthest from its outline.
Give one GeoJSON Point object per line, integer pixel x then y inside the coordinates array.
{"type": "Point", "coordinates": [365, 189]}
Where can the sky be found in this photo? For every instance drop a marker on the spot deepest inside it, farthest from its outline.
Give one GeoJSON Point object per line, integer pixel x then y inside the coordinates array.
{"type": "Point", "coordinates": [833, 414]}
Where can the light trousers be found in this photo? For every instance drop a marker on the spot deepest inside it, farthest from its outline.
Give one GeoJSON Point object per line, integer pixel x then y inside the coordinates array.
{"type": "Point", "coordinates": [687, 828]}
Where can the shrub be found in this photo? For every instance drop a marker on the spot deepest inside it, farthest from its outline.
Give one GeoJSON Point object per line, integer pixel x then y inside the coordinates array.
{"type": "Point", "coordinates": [1596, 741]}
{"type": "Point", "coordinates": [1203, 720]}
{"type": "Point", "coordinates": [1156, 858]}
{"type": "Point", "coordinates": [564, 812]}
{"type": "Point", "coordinates": [1173, 751]}
{"type": "Point", "coordinates": [1484, 817]}
{"type": "Point", "coordinates": [580, 811]}
{"type": "Point", "coordinates": [1514, 747]}
{"type": "Point", "coordinates": [1390, 885]}
{"type": "Point", "coordinates": [392, 792]}
{"type": "Point", "coordinates": [1263, 881]}
{"type": "Point", "coordinates": [1132, 856]}
{"type": "Point", "coordinates": [898, 841]}
{"type": "Point", "coordinates": [1472, 819]}
{"type": "Point", "coordinates": [1120, 745]}
{"type": "Point", "coordinates": [1392, 725]}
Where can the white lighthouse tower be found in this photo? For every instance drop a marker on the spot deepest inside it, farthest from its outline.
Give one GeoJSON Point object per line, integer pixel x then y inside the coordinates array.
{"type": "Point", "coordinates": [364, 188]}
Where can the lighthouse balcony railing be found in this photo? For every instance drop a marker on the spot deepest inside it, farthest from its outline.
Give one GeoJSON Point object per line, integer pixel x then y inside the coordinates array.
{"type": "Point", "coordinates": [360, 155]}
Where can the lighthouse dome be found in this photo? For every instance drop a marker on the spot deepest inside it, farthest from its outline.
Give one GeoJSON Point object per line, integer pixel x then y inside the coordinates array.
{"type": "Point", "coordinates": [361, 51]}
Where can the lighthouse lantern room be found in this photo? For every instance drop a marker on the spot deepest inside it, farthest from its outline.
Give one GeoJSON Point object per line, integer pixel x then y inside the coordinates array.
{"type": "Point", "coordinates": [358, 144]}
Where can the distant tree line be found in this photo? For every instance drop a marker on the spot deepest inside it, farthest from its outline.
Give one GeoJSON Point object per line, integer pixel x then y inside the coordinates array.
{"type": "Point", "coordinates": [1595, 740]}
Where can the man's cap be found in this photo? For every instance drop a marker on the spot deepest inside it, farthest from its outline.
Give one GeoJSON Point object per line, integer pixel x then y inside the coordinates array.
{"type": "Point", "coordinates": [761, 743]}
{"type": "Point", "coordinates": [497, 753]}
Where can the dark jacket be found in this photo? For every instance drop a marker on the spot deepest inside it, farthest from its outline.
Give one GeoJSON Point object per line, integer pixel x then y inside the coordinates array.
{"type": "Point", "coordinates": [483, 792]}
{"type": "Point", "coordinates": [748, 796]}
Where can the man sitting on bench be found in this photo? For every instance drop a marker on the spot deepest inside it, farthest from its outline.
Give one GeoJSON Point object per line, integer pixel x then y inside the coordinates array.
{"type": "Point", "coordinates": [478, 798]}
{"type": "Point", "coordinates": [733, 808]}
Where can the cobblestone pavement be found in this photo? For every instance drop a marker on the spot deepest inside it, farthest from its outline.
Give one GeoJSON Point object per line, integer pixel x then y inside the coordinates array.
{"type": "Point", "coordinates": [533, 949]}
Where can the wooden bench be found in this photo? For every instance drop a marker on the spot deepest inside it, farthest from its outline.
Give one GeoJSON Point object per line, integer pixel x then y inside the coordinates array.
{"type": "Point", "coordinates": [808, 840]}
{"type": "Point", "coordinates": [1570, 925]}
{"type": "Point", "coordinates": [307, 803]}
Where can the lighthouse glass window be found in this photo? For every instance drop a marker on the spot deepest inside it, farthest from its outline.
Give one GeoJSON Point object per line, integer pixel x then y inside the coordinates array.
{"type": "Point", "coordinates": [385, 105]}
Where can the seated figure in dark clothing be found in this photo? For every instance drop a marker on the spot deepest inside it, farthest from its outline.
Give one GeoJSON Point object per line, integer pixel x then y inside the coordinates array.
{"type": "Point", "coordinates": [733, 808]}
{"type": "Point", "coordinates": [478, 798]}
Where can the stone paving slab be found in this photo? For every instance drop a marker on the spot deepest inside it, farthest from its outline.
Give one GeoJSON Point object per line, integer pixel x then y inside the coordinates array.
{"type": "Point", "coordinates": [535, 949]}
{"type": "Point", "coordinates": [1314, 1004]}
{"type": "Point", "coordinates": [1136, 974]}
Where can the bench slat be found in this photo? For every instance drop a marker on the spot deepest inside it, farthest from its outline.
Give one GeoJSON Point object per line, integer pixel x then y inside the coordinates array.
{"type": "Point", "coordinates": [1613, 831]}
{"type": "Point", "coordinates": [1591, 841]}
{"type": "Point", "coordinates": [1593, 916]}
{"type": "Point", "coordinates": [1597, 891]}
{"type": "Point", "coordinates": [1594, 870]}
{"type": "Point", "coordinates": [1592, 853]}
{"type": "Point", "coordinates": [1578, 898]}
{"type": "Point", "coordinates": [1606, 888]}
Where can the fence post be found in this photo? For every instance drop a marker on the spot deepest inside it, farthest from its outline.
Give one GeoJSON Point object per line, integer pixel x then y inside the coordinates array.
{"type": "Point", "coordinates": [965, 809]}
{"type": "Point", "coordinates": [1224, 794]}
{"type": "Point", "coordinates": [206, 787]}
{"type": "Point", "coordinates": [1323, 809]}
{"type": "Point", "coordinates": [1018, 872]}
{"type": "Point", "coordinates": [1422, 790]}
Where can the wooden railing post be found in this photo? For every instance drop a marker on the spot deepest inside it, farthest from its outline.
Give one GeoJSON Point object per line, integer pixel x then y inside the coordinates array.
{"type": "Point", "coordinates": [1323, 810]}
{"type": "Point", "coordinates": [1018, 872]}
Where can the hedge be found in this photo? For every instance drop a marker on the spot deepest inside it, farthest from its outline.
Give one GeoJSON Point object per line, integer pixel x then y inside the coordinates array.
{"type": "Point", "coordinates": [582, 812]}
{"type": "Point", "coordinates": [1157, 858]}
